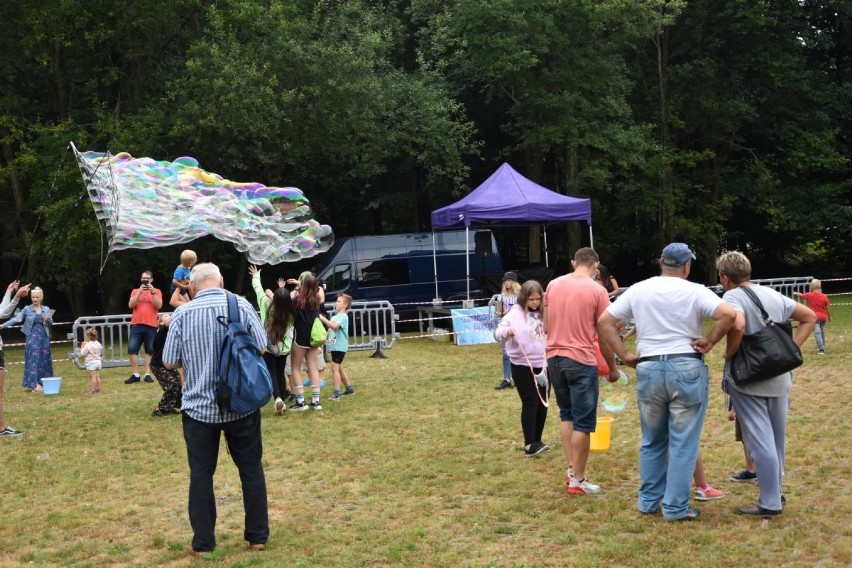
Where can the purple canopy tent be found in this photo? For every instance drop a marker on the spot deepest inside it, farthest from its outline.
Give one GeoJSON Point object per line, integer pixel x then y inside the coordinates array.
{"type": "Point", "coordinates": [509, 199]}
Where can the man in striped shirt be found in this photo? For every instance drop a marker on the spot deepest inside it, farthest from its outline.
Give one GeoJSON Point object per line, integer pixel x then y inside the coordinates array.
{"type": "Point", "coordinates": [194, 340]}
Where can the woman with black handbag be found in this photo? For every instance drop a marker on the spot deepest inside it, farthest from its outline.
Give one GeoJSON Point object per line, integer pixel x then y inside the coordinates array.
{"type": "Point", "coordinates": [761, 402]}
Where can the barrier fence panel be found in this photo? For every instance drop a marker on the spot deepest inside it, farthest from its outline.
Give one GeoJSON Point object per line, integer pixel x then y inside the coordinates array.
{"type": "Point", "coordinates": [112, 331]}
{"type": "Point", "coordinates": [372, 326]}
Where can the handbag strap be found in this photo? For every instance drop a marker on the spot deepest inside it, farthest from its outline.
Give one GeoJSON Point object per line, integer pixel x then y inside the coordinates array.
{"type": "Point", "coordinates": [751, 294]}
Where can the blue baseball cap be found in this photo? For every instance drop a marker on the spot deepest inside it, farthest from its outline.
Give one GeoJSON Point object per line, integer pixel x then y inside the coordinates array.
{"type": "Point", "coordinates": [676, 255]}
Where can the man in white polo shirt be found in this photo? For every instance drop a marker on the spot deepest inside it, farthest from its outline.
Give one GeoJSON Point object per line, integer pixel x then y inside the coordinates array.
{"type": "Point", "coordinates": [671, 377]}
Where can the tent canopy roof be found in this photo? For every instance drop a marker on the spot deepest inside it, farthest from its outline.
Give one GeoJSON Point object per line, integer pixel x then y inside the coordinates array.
{"type": "Point", "coordinates": [508, 198]}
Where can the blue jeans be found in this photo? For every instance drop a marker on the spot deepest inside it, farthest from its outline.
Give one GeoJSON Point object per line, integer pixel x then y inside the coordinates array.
{"type": "Point", "coordinates": [819, 335]}
{"type": "Point", "coordinates": [139, 334]}
{"type": "Point", "coordinates": [672, 398]}
{"type": "Point", "coordinates": [507, 364]}
{"type": "Point", "coordinates": [576, 388]}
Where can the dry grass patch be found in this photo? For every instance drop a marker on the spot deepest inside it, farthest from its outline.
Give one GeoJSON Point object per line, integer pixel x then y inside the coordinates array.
{"type": "Point", "coordinates": [423, 466]}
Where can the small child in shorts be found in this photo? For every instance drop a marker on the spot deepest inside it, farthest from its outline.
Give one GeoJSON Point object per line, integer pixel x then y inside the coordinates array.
{"type": "Point", "coordinates": [91, 350]}
{"type": "Point", "coordinates": [338, 344]}
{"type": "Point", "coordinates": [180, 279]}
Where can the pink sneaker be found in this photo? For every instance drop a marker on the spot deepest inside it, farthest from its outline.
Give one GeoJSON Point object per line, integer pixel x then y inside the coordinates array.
{"type": "Point", "coordinates": [708, 493]}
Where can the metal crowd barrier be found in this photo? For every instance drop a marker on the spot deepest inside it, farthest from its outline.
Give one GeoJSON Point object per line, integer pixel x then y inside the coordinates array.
{"type": "Point", "coordinates": [786, 285]}
{"type": "Point", "coordinates": [372, 326]}
{"type": "Point", "coordinates": [112, 332]}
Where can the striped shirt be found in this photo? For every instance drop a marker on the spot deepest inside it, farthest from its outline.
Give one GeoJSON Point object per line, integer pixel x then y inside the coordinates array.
{"type": "Point", "coordinates": [194, 341]}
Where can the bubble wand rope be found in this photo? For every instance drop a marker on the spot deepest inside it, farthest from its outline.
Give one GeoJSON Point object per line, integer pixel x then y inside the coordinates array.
{"type": "Point", "coordinates": [545, 401]}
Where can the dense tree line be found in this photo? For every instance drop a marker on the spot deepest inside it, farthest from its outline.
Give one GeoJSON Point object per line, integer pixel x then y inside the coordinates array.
{"type": "Point", "coordinates": [724, 124]}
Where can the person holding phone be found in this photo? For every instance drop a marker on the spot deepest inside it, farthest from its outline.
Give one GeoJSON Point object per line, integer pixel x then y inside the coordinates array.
{"type": "Point", "coordinates": [145, 303]}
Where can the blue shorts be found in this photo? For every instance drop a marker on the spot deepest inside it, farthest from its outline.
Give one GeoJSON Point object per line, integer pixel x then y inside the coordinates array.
{"type": "Point", "coordinates": [138, 333]}
{"type": "Point", "coordinates": [576, 388]}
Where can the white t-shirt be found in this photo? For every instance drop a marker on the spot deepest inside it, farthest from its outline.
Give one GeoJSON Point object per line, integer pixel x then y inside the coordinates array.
{"type": "Point", "coordinates": [668, 312]}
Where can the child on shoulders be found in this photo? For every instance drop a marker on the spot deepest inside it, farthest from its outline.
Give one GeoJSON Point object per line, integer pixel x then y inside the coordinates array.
{"type": "Point", "coordinates": [180, 279]}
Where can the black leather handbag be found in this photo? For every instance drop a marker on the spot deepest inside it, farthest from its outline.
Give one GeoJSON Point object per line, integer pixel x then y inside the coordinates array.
{"type": "Point", "coordinates": [766, 354]}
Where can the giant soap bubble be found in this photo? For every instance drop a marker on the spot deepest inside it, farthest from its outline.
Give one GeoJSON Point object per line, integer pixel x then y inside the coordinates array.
{"type": "Point", "coordinates": [145, 203]}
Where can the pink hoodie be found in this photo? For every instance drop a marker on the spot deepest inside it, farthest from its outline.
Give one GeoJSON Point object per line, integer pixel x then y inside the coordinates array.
{"type": "Point", "coordinates": [529, 336]}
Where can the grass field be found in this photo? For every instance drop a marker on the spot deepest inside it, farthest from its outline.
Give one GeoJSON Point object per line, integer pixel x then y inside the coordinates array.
{"type": "Point", "coordinates": [423, 466]}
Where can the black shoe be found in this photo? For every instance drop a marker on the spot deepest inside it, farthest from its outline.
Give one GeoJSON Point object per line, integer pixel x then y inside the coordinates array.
{"type": "Point", "coordinates": [758, 512]}
{"type": "Point", "coordinates": [535, 449]}
{"type": "Point", "coordinates": [504, 384]}
{"type": "Point", "coordinates": [132, 379]}
{"type": "Point", "coordinates": [158, 412]}
{"type": "Point", "coordinates": [148, 378]}
{"type": "Point", "coordinates": [691, 515]}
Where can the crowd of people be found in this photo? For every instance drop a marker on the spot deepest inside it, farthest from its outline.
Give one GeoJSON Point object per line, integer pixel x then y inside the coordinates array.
{"type": "Point", "coordinates": [549, 336]}
{"type": "Point", "coordinates": [557, 330]}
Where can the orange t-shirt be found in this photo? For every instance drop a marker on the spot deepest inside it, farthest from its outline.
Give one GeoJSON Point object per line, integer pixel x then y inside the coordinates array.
{"type": "Point", "coordinates": [145, 312]}
{"type": "Point", "coordinates": [574, 303]}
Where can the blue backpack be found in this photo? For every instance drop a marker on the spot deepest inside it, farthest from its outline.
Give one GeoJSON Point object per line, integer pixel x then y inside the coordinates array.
{"type": "Point", "coordinates": [244, 381]}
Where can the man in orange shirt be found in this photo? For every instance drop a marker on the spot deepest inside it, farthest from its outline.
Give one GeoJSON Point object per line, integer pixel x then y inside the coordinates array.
{"type": "Point", "coordinates": [572, 305]}
{"type": "Point", "coordinates": [145, 302]}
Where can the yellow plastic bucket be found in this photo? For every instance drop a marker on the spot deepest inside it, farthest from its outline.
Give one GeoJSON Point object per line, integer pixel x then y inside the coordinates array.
{"type": "Point", "coordinates": [600, 437]}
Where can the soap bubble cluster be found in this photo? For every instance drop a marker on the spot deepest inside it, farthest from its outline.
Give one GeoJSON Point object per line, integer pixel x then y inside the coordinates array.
{"type": "Point", "coordinates": [146, 203]}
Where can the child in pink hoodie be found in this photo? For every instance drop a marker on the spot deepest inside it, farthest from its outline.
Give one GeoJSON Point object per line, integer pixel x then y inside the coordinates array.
{"type": "Point", "coordinates": [522, 333]}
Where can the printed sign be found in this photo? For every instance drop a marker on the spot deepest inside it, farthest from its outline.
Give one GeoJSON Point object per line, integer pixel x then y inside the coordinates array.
{"type": "Point", "coordinates": [473, 326]}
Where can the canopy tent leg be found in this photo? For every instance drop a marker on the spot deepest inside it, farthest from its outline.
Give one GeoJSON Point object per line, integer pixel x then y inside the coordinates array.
{"type": "Point", "coordinates": [591, 238]}
{"type": "Point", "coordinates": [546, 253]}
{"type": "Point", "coordinates": [435, 263]}
{"type": "Point", "coordinates": [467, 257]}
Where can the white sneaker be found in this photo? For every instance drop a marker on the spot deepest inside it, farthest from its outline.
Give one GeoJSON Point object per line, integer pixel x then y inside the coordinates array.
{"type": "Point", "coordinates": [582, 487]}
{"type": "Point", "coordinates": [569, 475]}
{"type": "Point", "coordinates": [316, 406]}
{"type": "Point", "coordinates": [280, 407]}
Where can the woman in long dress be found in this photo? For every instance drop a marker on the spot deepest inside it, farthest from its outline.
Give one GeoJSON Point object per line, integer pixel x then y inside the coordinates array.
{"type": "Point", "coordinates": [36, 321]}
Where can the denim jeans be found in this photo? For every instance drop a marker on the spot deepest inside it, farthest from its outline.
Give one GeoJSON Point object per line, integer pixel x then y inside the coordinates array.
{"type": "Point", "coordinates": [576, 388]}
{"type": "Point", "coordinates": [819, 335]}
{"type": "Point", "coordinates": [672, 396]}
{"type": "Point", "coordinates": [246, 449]}
{"type": "Point", "coordinates": [507, 364]}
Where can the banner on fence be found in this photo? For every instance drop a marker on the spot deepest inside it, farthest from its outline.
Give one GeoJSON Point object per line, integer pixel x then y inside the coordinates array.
{"type": "Point", "coordinates": [473, 326]}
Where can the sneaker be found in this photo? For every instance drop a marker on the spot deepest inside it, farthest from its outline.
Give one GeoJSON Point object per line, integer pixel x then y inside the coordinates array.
{"type": "Point", "coordinates": [337, 396]}
{"type": "Point", "coordinates": [158, 412]}
{"type": "Point", "coordinates": [280, 407]}
{"type": "Point", "coordinates": [708, 493]}
{"type": "Point", "coordinates": [535, 449]}
{"type": "Point", "coordinates": [291, 398]}
{"type": "Point", "coordinates": [820, 352]}
{"type": "Point", "coordinates": [148, 378]}
{"type": "Point", "coordinates": [745, 475]}
{"type": "Point", "coordinates": [316, 406]}
{"type": "Point", "coordinates": [132, 379]}
{"type": "Point", "coordinates": [569, 475]}
{"type": "Point", "coordinates": [504, 384]}
{"type": "Point", "coordinates": [9, 431]}
{"type": "Point", "coordinates": [691, 515]}
{"type": "Point", "coordinates": [582, 487]}
{"type": "Point", "coordinates": [349, 390]}
{"type": "Point", "coordinates": [299, 406]}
